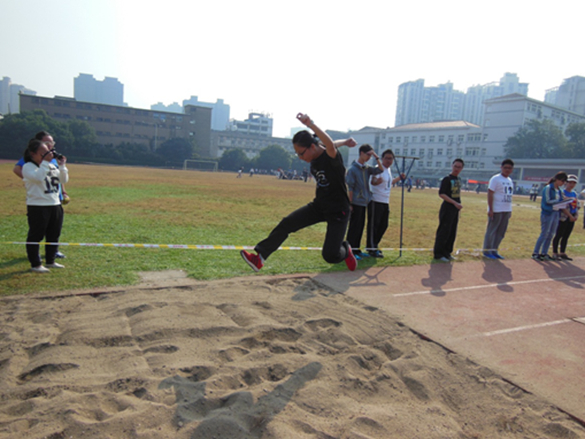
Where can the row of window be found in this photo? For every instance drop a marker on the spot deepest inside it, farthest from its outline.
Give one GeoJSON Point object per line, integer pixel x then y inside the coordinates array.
{"type": "Point", "coordinates": [473, 151]}
{"type": "Point", "coordinates": [107, 108]}
{"type": "Point", "coordinates": [429, 164]}
{"type": "Point", "coordinates": [449, 139]}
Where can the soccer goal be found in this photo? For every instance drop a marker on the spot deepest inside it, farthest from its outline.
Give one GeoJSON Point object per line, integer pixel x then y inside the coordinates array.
{"type": "Point", "coordinates": [200, 165]}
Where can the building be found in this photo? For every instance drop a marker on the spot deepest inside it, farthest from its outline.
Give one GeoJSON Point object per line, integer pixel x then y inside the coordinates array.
{"type": "Point", "coordinates": [535, 171]}
{"type": "Point", "coordinates": [220, 116]}
{"type": "Point", "coordinates": [505, 115]}
{"type": "Point", "coordinates": [251, 144]}
{"type": "Point", "coordinates": [569, 95]}
{"type": "Point", "coordinates": [433, 146]}
{"type": "Point", "coordinates": [116, 124]}
{"type": "Point", "coordinates": [256, 123]}
{"type": "Point", "coordinates": [175, 107]}
{"type": "Point", "coordinates": [9, 96]}
{"type": "Point", "coordinates": [109, 91]}
{"type": "Point", "coordinates": [419, 104]}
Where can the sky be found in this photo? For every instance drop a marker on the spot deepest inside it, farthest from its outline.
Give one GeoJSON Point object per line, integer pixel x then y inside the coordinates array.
{"type": "Point", "coordinates": [339, 61]}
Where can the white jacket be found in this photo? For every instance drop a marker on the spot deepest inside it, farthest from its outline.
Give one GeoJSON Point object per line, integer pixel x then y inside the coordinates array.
{"type": "Point", "coordinates": [42, 183]}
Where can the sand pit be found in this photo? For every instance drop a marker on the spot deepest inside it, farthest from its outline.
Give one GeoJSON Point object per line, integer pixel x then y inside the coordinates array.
{"type": "Point", "coordinates": [246, 358]}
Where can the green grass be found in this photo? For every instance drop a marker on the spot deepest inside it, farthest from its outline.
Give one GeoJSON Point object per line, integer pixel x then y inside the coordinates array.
{"type": "Point", "coordinates": [142, 205]}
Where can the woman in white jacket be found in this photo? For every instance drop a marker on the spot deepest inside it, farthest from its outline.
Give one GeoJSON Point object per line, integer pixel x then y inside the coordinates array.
{"type": "Point", "coordinates": [44, 210]}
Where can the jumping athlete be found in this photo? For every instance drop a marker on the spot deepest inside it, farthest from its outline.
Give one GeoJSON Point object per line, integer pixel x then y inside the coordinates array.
{"type": "Point", "coordinates": [330, 205]}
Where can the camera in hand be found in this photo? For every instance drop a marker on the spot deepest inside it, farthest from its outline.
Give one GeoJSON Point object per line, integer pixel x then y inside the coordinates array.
{"type": "Point", "coordinates": [56, 155]}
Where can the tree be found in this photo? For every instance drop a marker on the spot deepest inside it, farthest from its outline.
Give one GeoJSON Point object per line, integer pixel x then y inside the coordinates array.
{"type": "Point", "coordinates": [538, 139]}
{"type": "Point", "coordinates": [17, 129]}
{"type": "Point", "coordinates": [176, 150]}
{"type": "Point", "coordinates": [273, 157]}
{"type": "Point", "coordinates": [233, 159]}
{"type": "Point", "coordinates": [84, 138]}
{"type": "Point", "coordinates": [576, 140]}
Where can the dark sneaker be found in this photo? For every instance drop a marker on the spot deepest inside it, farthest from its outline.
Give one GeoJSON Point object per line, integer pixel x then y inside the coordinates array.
{"type": "Point", "coordinates": [350, 260]}
{"type": "Point", "coordinates": [254, 261]}
{"type": "Point", "coordinates": [498, 256]}
{"type": "Point", "coordinates": [547, 258]}
{"type": "Point", "coordinates": [536, 257]}
{"type": "Point", "coordinates": [375, 254]}
{"type": "Point", "coordinates": [490, 256]}
{"type": "Point", "coordinates": [60, 255]}
{"type": "Point", "coordinates": [566, 258]}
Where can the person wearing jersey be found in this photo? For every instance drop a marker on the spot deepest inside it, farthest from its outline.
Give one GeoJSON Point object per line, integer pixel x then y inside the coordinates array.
{"type": "Point", "coordinates": [330, 205]}
{"type": "Point", "coordinates": [450, 193]}
{"type": "Point", "coordinates": [44, 210]}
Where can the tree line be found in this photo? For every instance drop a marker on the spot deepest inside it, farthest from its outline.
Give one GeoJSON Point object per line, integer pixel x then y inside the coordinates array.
{"type": "Point", "coordinates": [543, 139]}
{"type": "Point", "coordinates": [77, 140]}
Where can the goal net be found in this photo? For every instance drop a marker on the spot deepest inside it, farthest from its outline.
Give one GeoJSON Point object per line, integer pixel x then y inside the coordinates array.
{"type": "Point", "coordinates": [200, 165]}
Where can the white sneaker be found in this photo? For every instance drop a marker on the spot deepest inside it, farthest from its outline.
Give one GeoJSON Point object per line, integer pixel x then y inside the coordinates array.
{"type": "Point", "coordinates": [40, 269]}
{"type": "Point", "coordinates": [55, 265]}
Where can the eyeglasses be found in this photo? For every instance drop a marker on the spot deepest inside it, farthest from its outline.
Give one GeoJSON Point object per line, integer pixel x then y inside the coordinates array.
{"type": "Point", "coordinates": [301, 154]}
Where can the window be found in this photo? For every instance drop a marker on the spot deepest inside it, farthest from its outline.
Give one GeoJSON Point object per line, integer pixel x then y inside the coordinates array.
{"type": "Point", "coordinates": [413, 151]}
{"type": "Point", "coordinates": [437, 164]}
{"type": "Point", "coordinates": [398, 139]}
{"type": "Point", "coordinates": [429, 164]}
{"type": "Point", "coordinates": [397, 151]}
{"type": "Point", "coordinates": [441, 139]}
{"type": "Point", "coordinates": [431, 139]}
{"type": "Point", "coordinates": [413, 139]}
{"type": "Point", "coordinates": [423, 139]}
{"type": "Point", "coordinates": [431, 152]}
{"type": "Point", "coordinates": [449, 152]}
{"type": "Point", "coordinates": [460, 138]}
{"type": "Point", "coordinates": [390, 139]}
{"type": "Point", "coordinates": [421, 152]}
{"type": "Point", "coordinates": [439, 151]}
{"type": "Point", "coordinates": [447, 165]}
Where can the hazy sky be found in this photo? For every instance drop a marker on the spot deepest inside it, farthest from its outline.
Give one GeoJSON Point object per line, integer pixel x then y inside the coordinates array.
{"type": "Point", "coordinates": [337, 60]}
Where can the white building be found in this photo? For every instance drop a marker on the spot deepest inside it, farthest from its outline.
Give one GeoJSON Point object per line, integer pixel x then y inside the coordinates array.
{"type": "Point", "coordinates": [433, 145]}
{"type": "Point", "coordinates": [9, 99]}
{"type": "Point", "coordinates": [569, 95]}
{"type": "Point", "coordinates": [505, 115]}
{"type": "Point", "coordinates": [256, 123]}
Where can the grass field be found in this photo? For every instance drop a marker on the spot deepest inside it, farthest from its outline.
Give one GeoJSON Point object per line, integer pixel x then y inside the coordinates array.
{"type": "Point", "coordinates": [152, 206]}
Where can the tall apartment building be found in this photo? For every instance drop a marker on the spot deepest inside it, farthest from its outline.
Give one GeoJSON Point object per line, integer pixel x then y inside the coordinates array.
{"type": "Point", "coordinates": [570, 95]}
{"type": "Point", "coordinates": [256, 123]}
{"type": "Point", "coordinates": [110, 91]}
{"type": "Point", "coordinates": [9, 96]}
{"type": "Point", "coordinates": [220, 114]}
{"type": "Point", "coordinates": [419, 104]}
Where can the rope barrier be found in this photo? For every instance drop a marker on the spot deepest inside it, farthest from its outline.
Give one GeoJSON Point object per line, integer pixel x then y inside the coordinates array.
{"type": "Point", "coordinates": [245, 247]}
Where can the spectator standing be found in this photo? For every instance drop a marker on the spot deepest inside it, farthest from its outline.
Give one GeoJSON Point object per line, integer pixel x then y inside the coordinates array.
{"type": "Point", "coordinates": [450, 193]}
{"type": "Point", "coordinates": [499, 198]}
{"type": "Point", "coordinates": [567, 220]}
{"type": "Point", "coordinates": [44, 210]}
{"type": "Point", "coordinates": [360, 195]}
{"type": "Point", "coordinates": [63, 197]}
{"type": "Point", "coordinates": [549, 216]}
{"type": "Point", "coordinates": [379, 207]}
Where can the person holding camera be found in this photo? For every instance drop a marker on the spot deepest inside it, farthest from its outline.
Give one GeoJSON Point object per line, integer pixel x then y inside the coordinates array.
{"type": "Point", "coordinates": [48, 139]}
{"type": "Point", "coordinates": [44, 210]}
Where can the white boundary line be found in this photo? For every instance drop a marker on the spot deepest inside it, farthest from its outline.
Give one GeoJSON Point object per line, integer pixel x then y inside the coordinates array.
{"type": "Point", "coordinates": [524, 328]}
{"type": "Point", "coordinates": [478, 287]}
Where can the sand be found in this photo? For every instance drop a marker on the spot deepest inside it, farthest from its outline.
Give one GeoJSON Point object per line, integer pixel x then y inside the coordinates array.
{"type": "Point", "coordinates": [257, 357]}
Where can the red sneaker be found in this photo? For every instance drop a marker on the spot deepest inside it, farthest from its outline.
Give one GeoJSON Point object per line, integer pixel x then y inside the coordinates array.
{"type": "Point", "coordinates": [350, 261]}
{"type": "Point", "coordinates": [254, 261]}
